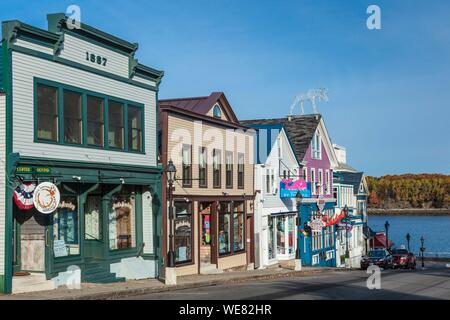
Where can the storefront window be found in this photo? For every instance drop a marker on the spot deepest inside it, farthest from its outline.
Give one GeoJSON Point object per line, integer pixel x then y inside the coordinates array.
{"type": "Point", "coordinates": [238, 226]}
{"type": "Point", "coordinates": [66, 228]}
{"type": "Point", "coordinates": [116, 127]}
{"type": "Point", "coordinates": [224, 227]}
{"type": "Point", "coordinates": [183, 232]}
{"type": "Point", "coordinates": [73, 119]}
{"type": "Point", "coordinates": [47, 112]}
{"type": "Point", "coordinates": [271, 244]}
{"type": "Point", "coordinates": [122, 217]}
{"type": "Point", "coordinates": [291, 234]}
{"type": "Point", "coordinates": [281, 235]}
{"type": "Point", "coordinates": [95, 121]}
{"type": "Point", "coordinates": [134, 128]}
{"type": "Point", "coordinates": [205, 212]}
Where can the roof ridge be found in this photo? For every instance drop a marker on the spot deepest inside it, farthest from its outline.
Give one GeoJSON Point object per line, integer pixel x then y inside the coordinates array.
{"type": "Point", "coordinates": [188, 98]}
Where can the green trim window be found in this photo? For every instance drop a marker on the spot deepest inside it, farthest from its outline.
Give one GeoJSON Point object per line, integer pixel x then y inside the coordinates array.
{"type": "Point", "coordinates": [95, 121]}
{"type": "Point", "coordinates": [47, 112]}
{"type": "Point", "coordinates": [67, 115]}
{"type": "Point", "coordinates": [134, 128]}
{"type": "Point", "coordinates": [116, 125]}
{"type": "Point", "coordinates": [66, 226]}
{"type": "Point", "coordinates": [73, 118]}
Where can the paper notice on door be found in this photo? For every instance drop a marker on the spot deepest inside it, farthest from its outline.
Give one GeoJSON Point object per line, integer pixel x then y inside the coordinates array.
{"type": "Point", "coordinates": [60, 248]}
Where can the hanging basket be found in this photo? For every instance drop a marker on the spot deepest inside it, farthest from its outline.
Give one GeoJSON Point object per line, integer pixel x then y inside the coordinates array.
{"type": "Point", "coordinates": [23, 196]}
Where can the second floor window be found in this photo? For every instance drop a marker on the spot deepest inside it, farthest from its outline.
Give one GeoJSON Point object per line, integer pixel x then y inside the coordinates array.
{"type": "Point", "coordinates": [217, 172]}
{"type": "Point", "coordinates": [134, 128]}
{"type": "Point", "coordinates": [116, 127]}
{"type": "Point", "coordinates": [187, 165]}
{"type": "Point", "coordinates": [47, 113]}
{"type": "Point", "coordinates": [74, 116]}
{"type": "Point", "coordinates": [241, 171]}
{"type": "Point", "coordinates": [270, 181]}
{"type": "Point", "coordinates": [229, 169]}
{"type": "Point", "coordinates": [203, 168]}
{"type": "Point", "coordinates": [73, 120]}
{"type": "Point", "coordinates": [95, 121]}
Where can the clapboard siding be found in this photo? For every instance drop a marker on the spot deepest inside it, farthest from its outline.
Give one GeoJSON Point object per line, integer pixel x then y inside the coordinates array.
{"type": "Point", "coordinates": [144, 81]}
{"type": "Point", "coordinates": [26, 67]}
{"type": "Point", "coordinates": [182, 130]}
{"type": "Point", "coordinates": [75, 50]}
{"type": "Point", "coordinates": [33, 46]}
{"type": "Point", "coordinates": [2, 180]}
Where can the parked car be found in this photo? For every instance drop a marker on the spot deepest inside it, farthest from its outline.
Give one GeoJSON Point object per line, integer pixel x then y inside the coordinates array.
{"type": "Point", "coordinates": [404, 259]}
{"type": "Point", "coordinates": [379, 257]}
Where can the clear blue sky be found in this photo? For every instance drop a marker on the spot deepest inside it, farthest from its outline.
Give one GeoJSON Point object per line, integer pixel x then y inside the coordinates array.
{"type": "Point", "coordinates": [389, 89]}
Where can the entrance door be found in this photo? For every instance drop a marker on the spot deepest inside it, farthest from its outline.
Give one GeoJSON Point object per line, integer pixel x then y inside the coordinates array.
{"type": "Point", "coordinates": [93, 229]}
{"type": "Point", "coordinates": [205, 210]}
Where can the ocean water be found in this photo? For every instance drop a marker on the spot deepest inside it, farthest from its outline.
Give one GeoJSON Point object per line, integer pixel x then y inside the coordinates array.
{"type": "Point", "coordinates": [434, 229]}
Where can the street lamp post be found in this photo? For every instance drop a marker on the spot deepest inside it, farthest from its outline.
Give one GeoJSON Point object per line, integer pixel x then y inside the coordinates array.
{"type": "Point", "coordinates": [298, 262]}
{"type": "Point", "coordinates": [422, 250]}
{"type": "Point", "coordinates": [170, 275]}
{"type": "Point", "coordinates": [386, 228]}
{"type": "Point", "coordinates": [408, 238]}
{"type": "Point", "coordinates": [347, 252]}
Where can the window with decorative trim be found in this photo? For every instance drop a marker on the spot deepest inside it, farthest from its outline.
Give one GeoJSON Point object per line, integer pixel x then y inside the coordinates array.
{"type": "Point", "coordinates": [241, 173]}
{"type": "Point", "coordinates": [229, 169]}
{"type": "Point", "coordinates": [217, 168]}
{"type": "Point", "coordinates": [203, 167]}
{"type": "Point", "coordinates": [68, 115]}
{"type": "Point", "coordinates": [187, 165]}
{"type": "Point", "coordinates": [316, 146]}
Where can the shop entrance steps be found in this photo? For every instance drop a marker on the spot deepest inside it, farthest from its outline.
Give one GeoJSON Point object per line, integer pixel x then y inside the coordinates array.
{"type": "Point", "coordinates": [98, 272]}
{"type": "Point", "coordinates": [208, 268]}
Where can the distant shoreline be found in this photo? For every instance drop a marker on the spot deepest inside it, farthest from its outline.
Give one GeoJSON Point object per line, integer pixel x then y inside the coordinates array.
{"type": "Point", "coordinates": [408, 212]}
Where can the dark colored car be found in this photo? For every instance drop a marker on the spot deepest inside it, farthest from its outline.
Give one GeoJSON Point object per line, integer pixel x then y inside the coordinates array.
{"type": "Point", "coordinates": [378, 257]}
{"type": "Point", "coordinates": [404, 259]}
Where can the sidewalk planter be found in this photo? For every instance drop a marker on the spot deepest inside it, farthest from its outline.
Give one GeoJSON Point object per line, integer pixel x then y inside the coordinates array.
{"type": "Point", "coordinates": [79, 111]}
{"type": "Point", "coordinates": [213, 191]}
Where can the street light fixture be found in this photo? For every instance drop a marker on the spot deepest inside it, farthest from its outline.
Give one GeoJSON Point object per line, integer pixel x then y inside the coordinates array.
{"type": "Point", "coordinates": [171, 170]}
{"type": "Point", "coordinates": [422, 250]}
{"type": "Point", "coordinates": [386, 228]}
{"type": "Point", "coordinates": [408, 238]}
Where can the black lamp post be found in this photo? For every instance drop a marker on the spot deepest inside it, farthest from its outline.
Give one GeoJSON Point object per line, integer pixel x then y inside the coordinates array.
{"type": "Point", "coordinates": [347, 253]}
{"type": "Point", "coordinates": [171, 171]}
{"type": "Point", "coordinates": [422, 250]}
{"type": "Point", "coordinates": [298, 199]}
{"type": "Point", "coordinates": [386, 228]}
{"type": "Point", "coordinates": [408, 238]}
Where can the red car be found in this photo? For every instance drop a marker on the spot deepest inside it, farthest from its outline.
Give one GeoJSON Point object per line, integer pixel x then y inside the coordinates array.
{"type": "Point", "coordinates": [404, 259]}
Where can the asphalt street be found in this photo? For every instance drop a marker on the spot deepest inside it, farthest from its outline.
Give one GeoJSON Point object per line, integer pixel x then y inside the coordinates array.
{"type": "Point", "coordinates": [431, 283]}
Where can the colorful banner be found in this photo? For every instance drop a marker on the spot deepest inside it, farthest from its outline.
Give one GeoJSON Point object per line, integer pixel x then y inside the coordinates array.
{"type": "Point", "coordinates": [289, 188]}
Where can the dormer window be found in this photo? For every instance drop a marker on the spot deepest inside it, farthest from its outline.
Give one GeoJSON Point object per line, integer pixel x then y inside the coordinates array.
{"type": "Point", "coordinates": [316, 146]}
{"type": "Point", "coordinates": [217, 112]}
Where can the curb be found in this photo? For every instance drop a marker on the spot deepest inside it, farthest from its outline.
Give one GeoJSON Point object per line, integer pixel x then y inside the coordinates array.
{"type": "Point", "coordinates": [124, 293]}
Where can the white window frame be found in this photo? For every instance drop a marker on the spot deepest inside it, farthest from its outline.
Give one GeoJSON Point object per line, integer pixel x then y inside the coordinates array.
{"type": "Point", "coordinates": [313, 181]}
{"type": "Point", "coordinates": [321, 181]}
{"type": "Point", "coordinates": [316, 146]}
{"type": "Point", "coordinates": [328, 181]}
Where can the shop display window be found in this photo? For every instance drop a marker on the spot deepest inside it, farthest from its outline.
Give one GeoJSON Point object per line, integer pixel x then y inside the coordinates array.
{"type": "Point", "coordinates": [122, 219]}
{"type": "Point", "coordinates": [224, 227]}
{"type": "Point", "coordinates": [183, 234]}
{"type": "Point", "coordinates": [66, 240]}
{"type": "Point", "coordinates": [238, 226]}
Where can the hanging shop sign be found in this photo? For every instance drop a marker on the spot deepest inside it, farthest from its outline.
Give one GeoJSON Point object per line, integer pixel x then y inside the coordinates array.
{"type": "Point", "coordinates": [46, 197]}
{"type": "Point", "coordinates": [316, 224]}
{"type": "Point", "coordinates": [23, 196]}
{"type": "Point", "coordinates": [33, 170]}
{"type": "Point", "coordinates": [290, 188]}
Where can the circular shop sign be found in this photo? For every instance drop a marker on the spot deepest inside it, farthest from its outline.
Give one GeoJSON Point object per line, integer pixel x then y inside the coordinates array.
{"type": "Point", "coordinates": [46, 197]}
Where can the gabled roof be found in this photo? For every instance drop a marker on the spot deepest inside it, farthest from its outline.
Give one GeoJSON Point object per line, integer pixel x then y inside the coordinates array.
{"type": "Point", "coordinates": [350, 178]}
{"type": "Point", "coordinates": [300, 130]}
{"type": "Point", "coordinates": [202, 105]}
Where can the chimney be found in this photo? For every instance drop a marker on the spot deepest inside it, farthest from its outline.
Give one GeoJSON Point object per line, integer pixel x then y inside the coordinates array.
{"type": "Point", "coordinates": [341, 153]}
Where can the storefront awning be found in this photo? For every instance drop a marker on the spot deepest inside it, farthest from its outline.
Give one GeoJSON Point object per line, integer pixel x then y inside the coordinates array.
{"type": "Point", "coordinates": [288, 213]}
